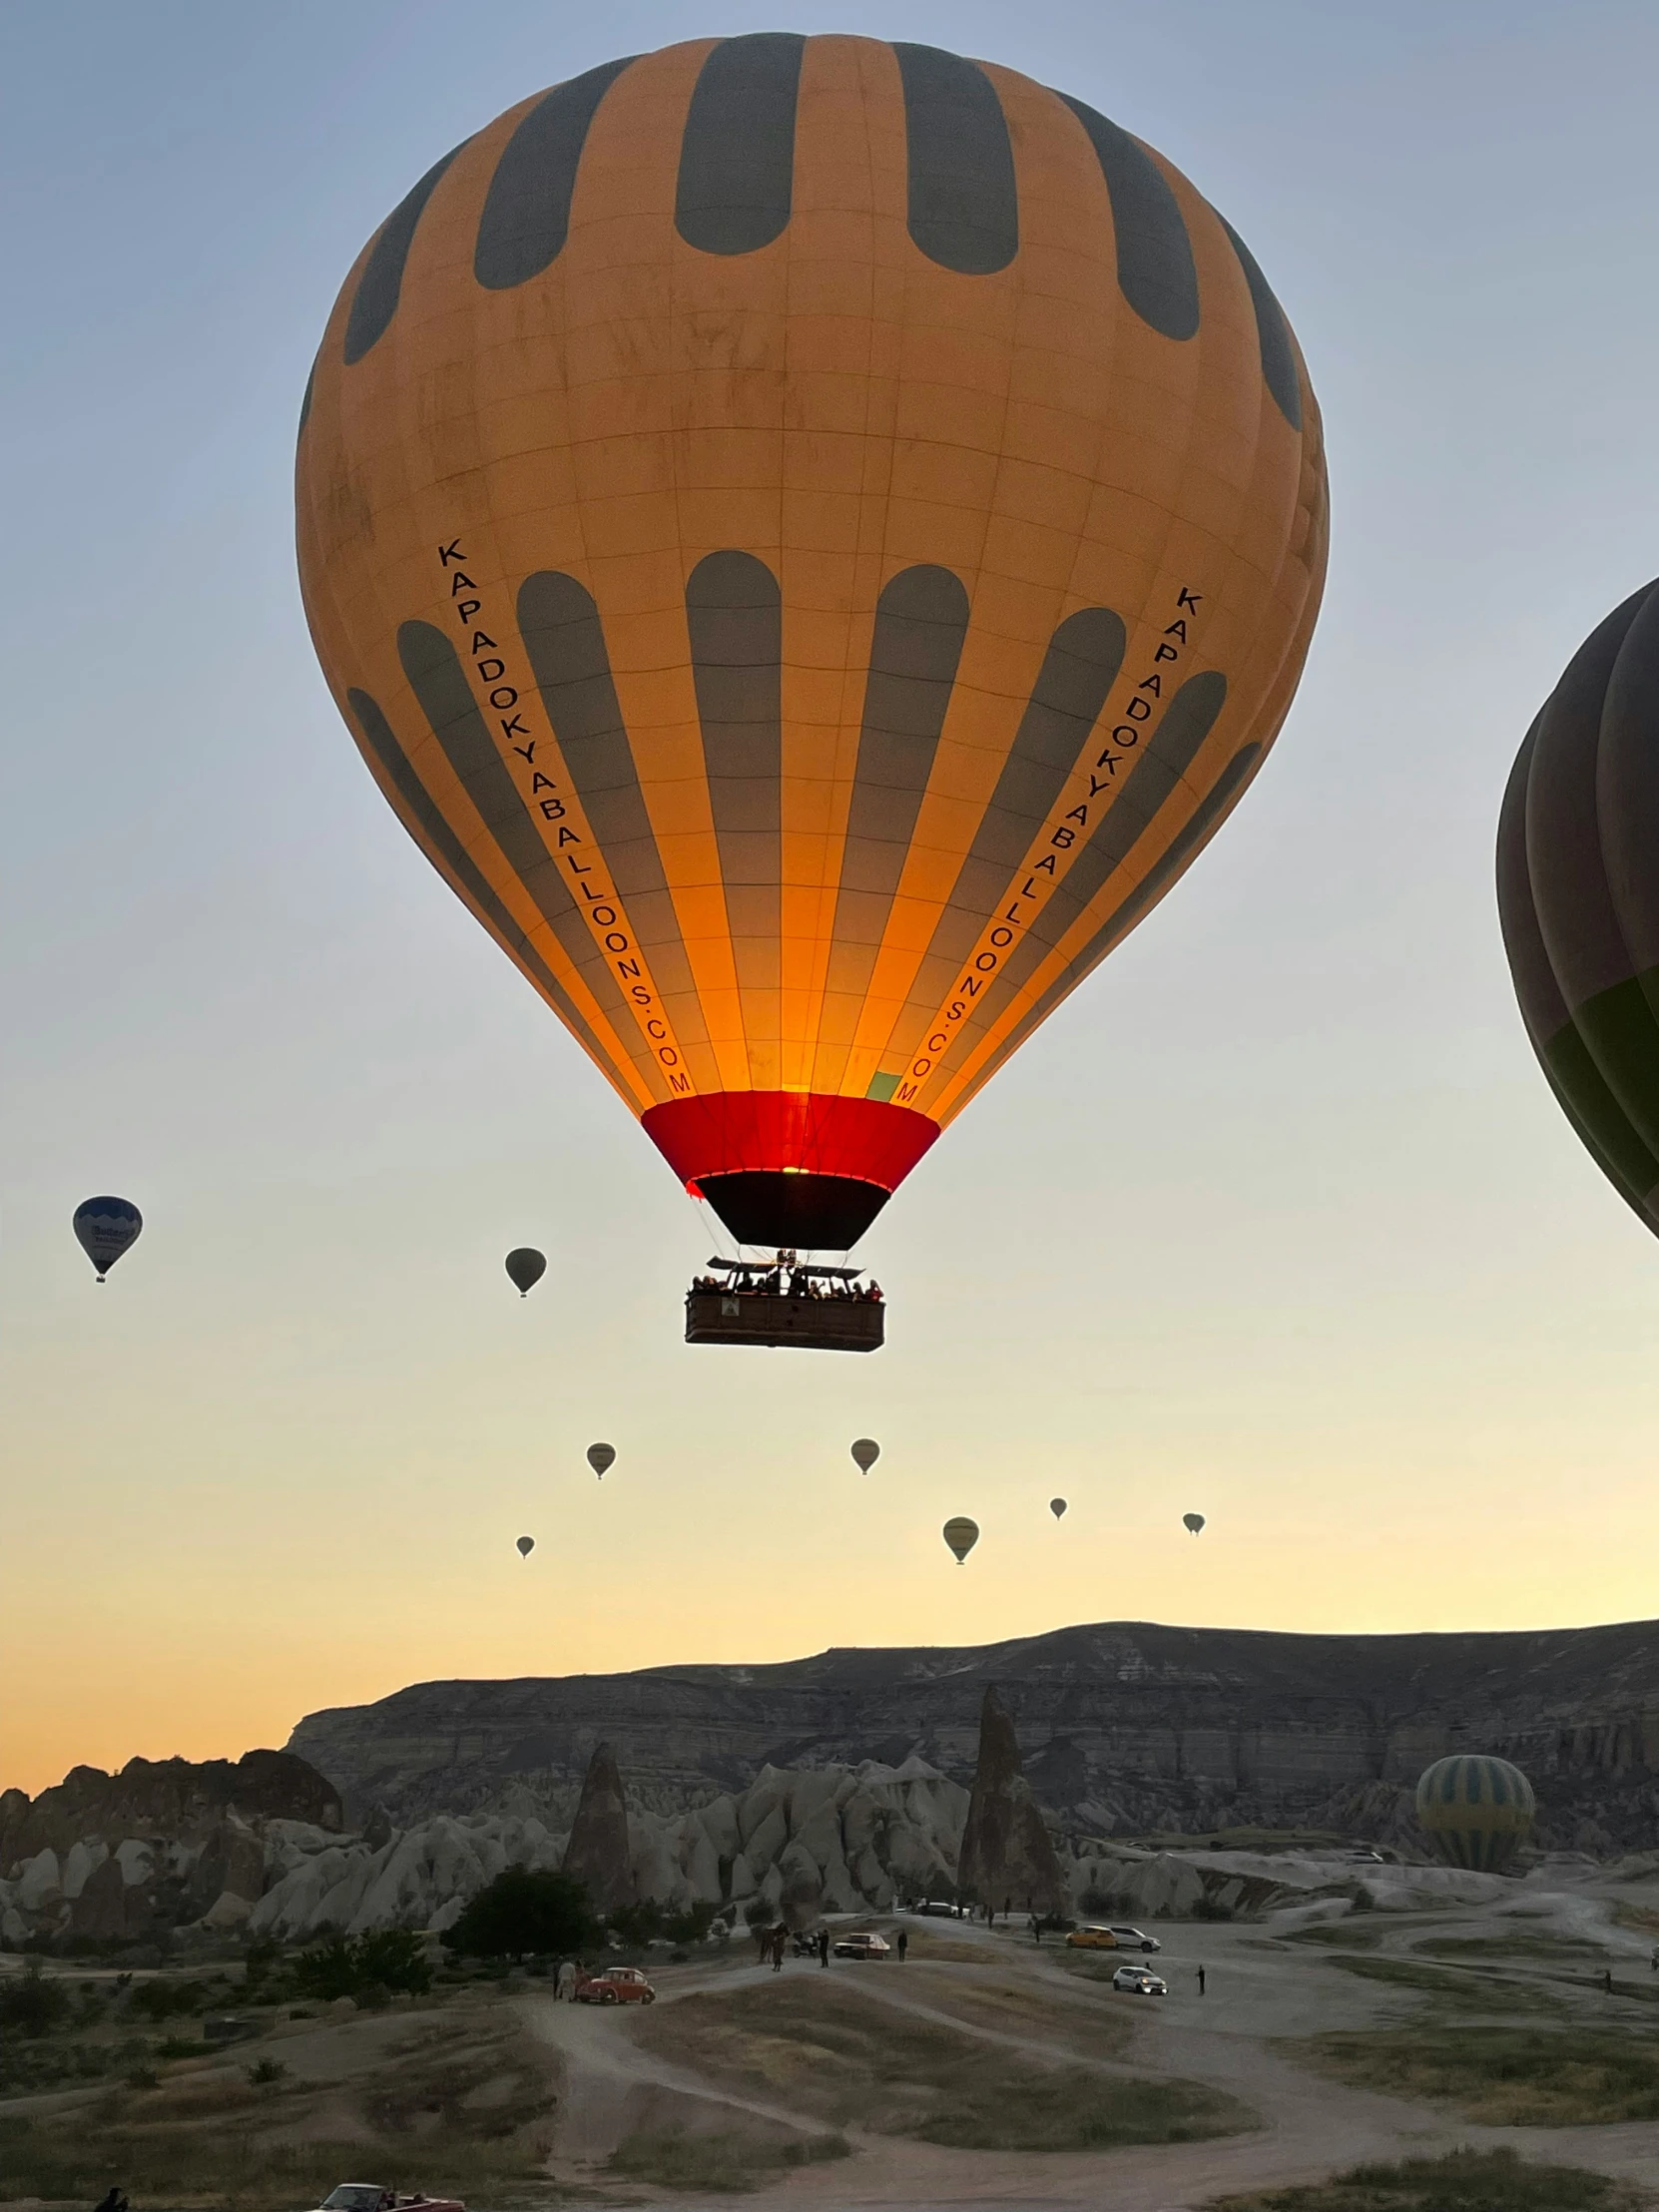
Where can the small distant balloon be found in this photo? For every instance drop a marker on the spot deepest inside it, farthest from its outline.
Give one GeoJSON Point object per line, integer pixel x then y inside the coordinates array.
{"type": "Point", "coordinates": [105, 1228]}
{"type": "Point", "coordinates": [526, 1544]}
{"type": "Point", "coordinates": [525, 1269]}
{"type": "Point", "coordinates": [867, 1451]}
{"type": "Point", "coordinates": [1057, 1507]}
{"type": "Point", "coordinates": [600, 1457]}
{"type": "Point", "coordinates": [961, 1534]}
{"type": "Point", "coordinates": [1192, 1522]}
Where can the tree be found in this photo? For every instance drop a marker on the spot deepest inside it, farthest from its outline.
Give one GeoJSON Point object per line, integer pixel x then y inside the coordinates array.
{"type": "Point", "coordinates": [361, 1967]}
{"type": "Point", "coordinates": [521, 1911]}
{"type": "Point", "coordinates": [33, 2005]}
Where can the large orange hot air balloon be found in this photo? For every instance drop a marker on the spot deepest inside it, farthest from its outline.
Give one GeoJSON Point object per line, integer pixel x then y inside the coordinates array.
{"type": "Point", "coordinates": [811, 536]}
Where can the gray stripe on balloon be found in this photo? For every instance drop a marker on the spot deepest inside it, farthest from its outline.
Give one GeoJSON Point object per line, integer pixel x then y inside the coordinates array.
{"type": "Point", "coordinates": [735, 621]}
{"type": "Point", "coordinates": [1156, 274]}
{"type": "Point", "coordinates": [922, 619]}
{"type": "Point", "coordinates": [441, 685]}
{"type": "Point", "coordinates": [963, 202]}
{"type": "Point", "coordinates": [380, 286]}
{"type": "Point", "coordinates": [1079, 669]}
{"type": "Point", "coordinates": [1154, 775]}
{"type": "Point", "coordinates": [472, 884]}
{"type": "Point", "coordinates": [1272, 333]}
{"type": "Point", "coordinates": [526, 214]}
{"type": "Point", "coordinates": [737, 153]}
{"type": "Point", "coordinates": [564, 641]}
{"type": "Point", "coordinates": [1205, 818]}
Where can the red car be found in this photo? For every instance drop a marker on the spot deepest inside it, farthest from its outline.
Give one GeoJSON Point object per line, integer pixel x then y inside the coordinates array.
{"type": "Point", "coordinates": [616, 1986]}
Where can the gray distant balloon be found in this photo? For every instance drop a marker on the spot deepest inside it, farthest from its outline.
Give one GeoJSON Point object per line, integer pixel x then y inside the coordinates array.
{"type": "Point", "coordinates": [525, 1269]}
{"type": "Point", "coordinates": [1057, 1507]}
{"type": "Point", "coordinates": [961, 1534]}
{"type": "Point", "coordinates": [526, 1544]}
{"type": "Point", "coordinates": [105, 1228]}
{"type": "Point", "coordinates": [867, 1451]}
{"type": "Point", "coordinates": [1192, 1522]}
{"type": "Point", "coordinates": [600, 1457]}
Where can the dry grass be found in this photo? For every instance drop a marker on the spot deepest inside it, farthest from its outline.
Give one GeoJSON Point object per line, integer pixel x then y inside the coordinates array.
{"type": "Point", "coordinates": [1092, 2030]}
{"type": "Point", "coordinates": [1465, 1987]}
{"type": "Point", "coordinates": [723, 2163]}
{"type": "Point", "coordinates": [1462, 2181]}
{"type": "Point", "coordinates": [469, 2102]}
{"type": "Point", "coordinates": [1499, 2076]}
{"type": "Point", "coordinates": [845, 2060]}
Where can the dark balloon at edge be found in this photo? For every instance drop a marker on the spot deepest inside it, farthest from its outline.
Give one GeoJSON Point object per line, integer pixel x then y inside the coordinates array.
{"type": "Point", "coordinates": [526, 1544]}
{"type": "Point", "coordinates": [1057, 1507]}
{"type": "Point", "coordinates": [600, 1457]}
{"type": "Point", "coordinates": [525, 1269]}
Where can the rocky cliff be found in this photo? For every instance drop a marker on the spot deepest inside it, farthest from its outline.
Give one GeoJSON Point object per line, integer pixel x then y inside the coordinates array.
{"type": "Point", "coordinates": [1126, 1727]}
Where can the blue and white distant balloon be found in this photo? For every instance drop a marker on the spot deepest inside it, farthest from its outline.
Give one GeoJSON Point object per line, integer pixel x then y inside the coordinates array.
{"type": "Point", "coordinates": [105, 1228]}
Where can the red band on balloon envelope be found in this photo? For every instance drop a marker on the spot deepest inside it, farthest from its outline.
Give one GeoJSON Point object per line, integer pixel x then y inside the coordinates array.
{"type": "Point", "coordinates": [801, 1132]}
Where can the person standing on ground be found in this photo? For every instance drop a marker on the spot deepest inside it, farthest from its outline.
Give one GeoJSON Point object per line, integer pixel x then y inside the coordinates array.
{"type": "Point", "coordinates": [1201, 1981]}
{"type": "Point", "coordinates": [1007, 1907]}
{"type": "Point", "coordinates": [903, 1944]}
{"type": "Point", "coordinates": [116, 2201]}
{"type": "Point", "coordinates": [824, 1946]}
{"type": "Point", "coordinates": [778, 1935]}
{"type": "Point", "coordinates": [1037, 1929]}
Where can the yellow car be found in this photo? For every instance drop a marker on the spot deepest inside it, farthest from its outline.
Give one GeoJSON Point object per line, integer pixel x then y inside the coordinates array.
{"type": "Point", "coordinates": [1094, 1936]}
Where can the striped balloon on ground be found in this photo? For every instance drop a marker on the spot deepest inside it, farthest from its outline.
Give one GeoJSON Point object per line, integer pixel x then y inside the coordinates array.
{"type": "Point", "coordinates": [1476, 1809]}
{"type": "Point", "coordinates": [811, 536]}
{"type": "Point", "coordinates": [1578, 894]}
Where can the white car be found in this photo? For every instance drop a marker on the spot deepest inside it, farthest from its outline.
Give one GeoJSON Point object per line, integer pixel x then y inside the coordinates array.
{"type": "Point", "coordinates": [861, 1947]}
{"type": "Point", "coordinates": [1140, 1982]}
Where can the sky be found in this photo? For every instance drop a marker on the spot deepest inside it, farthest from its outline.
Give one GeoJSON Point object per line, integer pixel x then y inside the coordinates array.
{"type": "Point", "coordinates": [1274, 1220]}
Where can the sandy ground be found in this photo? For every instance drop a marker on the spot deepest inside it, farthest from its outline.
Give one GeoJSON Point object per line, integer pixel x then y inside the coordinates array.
{"type": "Point", "coordinates": [1260, 1990]}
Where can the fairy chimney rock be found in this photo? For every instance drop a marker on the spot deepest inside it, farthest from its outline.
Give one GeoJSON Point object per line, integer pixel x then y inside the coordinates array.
{"type": "Point", "coordinates": [1006, 1852]}
{"type": "Point", "coordinates": [598, 1852]}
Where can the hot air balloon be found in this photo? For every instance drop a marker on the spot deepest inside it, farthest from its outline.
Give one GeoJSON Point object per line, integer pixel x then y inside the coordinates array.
{"type": "Point", "coordinates": [525, 1269]}
{"type": "Point", "coordinates": [1192, 1522]}
{"type": "Point", "coordinates": [105, 1228]}
{"type": "Point", "coordinates": [1578, 895]}
{"type": "Point", "coordinates": [811, 537]}
{"type": "Point", "coordinates": [526, 1544]}
{"type": "Point", "coordinates": [1476, 1809]}
{"type": "Point", "coordinates": [1057, 1507]}
{"type": "Point", "coordinates": [961, 1534]}
{"type": "Point", "coordinates": [867, 1451]}
{"type": "Point", "coordinates": [600, 1457]}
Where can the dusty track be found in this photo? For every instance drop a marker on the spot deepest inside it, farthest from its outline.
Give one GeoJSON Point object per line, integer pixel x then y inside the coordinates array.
{"type": "Point", "coordinates": [1259, 1991]}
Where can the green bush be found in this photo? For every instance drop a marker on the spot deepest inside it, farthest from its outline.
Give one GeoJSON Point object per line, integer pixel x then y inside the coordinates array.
{"type": "Point", "coordinates": [366, 1968]}
{"type": "Point", "coordinates": [165, 2000]}
{"type": "Point", "coordinates": [649, 1922]}
{"type": "Point", "coordinates": [521, 1912]}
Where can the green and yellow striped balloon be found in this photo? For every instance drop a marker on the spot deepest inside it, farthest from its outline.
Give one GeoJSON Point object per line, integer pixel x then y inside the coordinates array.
{"type": "Point", "coordinates": [1476, 1809]}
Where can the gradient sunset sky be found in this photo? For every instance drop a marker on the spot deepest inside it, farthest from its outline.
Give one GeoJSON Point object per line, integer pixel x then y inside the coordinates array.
{"type": "Point", "coordinates": [1275, 1220]}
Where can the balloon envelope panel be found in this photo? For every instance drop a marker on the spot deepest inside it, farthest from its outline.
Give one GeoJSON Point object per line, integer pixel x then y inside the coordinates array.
{"type": "Point", "coordinates": [811, 536]}
{"type": "Point", "coordinates": [1475, 1808]}
{"type": "Point", "coordinates": [1578, 895]}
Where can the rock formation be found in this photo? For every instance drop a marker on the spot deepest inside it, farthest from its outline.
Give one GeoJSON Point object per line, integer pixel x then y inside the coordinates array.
{"type": "Point", "coordinates": [1006, 1851]}
{"type": "Point", "coordinates": [598, 1853]}
{"type": "Point", "coordinates": [1129, 1728]}
{"type": "Point", "coordinates": [165, 1797]}
{"type": "Point", "coordinates": [160, 1843]}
